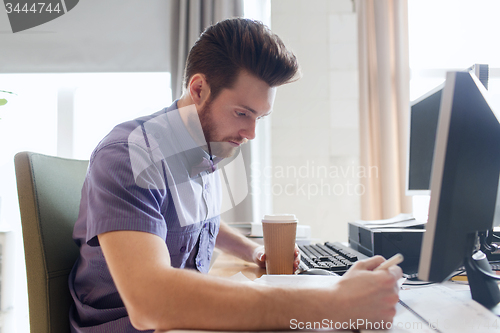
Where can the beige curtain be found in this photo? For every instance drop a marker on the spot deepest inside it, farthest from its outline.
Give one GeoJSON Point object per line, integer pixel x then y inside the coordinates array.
{"type": "Point", "coordinates": [384, 105]}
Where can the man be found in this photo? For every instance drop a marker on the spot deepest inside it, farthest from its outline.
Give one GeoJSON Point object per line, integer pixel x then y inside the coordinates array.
{"type": "Point", "coordinates": [151, 201]}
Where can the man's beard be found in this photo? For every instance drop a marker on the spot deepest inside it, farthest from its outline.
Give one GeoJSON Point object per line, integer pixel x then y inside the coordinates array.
{"type": "Point", "coordinates": [218, 147]}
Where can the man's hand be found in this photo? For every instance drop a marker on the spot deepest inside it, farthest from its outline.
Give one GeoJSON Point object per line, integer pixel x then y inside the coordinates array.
{"type": "Point", "coordinates": [235, 243]}
{"type": "Point", "coordinates": [367, 294]}
{"type": "Point", "coordinates": [259, 257]}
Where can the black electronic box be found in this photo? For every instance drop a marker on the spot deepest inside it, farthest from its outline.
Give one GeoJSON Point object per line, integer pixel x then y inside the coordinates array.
{"type": "Point", "coordinates": [370, 240]}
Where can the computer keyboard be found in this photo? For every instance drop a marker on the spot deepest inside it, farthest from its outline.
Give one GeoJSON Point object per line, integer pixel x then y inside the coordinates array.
{"type": "Point", "coordinates": [331, 256]}
{"type": "Point", "coordinates": [495, 266]}
{"type": "Point", "coordinates": [338, 258]}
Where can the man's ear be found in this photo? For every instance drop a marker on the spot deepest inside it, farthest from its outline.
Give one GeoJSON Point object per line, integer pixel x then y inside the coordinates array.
{"type": "Point", "coordinates": [198, 89]}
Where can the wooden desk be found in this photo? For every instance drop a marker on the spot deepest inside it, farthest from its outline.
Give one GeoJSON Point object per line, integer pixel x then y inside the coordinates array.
{"type": "Point", "coordinates": [227, 265]}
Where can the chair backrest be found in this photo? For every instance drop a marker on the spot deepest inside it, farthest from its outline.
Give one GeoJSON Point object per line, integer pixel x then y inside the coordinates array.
{"type": "Point", "coordinates": [49, 190]}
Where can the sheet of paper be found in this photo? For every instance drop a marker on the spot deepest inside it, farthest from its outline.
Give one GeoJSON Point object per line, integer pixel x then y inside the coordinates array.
{"type": "Point", "coordinates": [397, 218]}
{"type": "Point", "coordinates": [447, 310]}
{"type": "Point", "coordinates": [429, 309]}
{"type": "Point", "coordinates": [399, 224]}
{"type": "Point", "coordinates": [308, 281]}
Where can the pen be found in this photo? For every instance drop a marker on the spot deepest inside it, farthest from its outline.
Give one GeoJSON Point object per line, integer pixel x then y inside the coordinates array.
{"type": "Point", "coordinates": [394, 260]}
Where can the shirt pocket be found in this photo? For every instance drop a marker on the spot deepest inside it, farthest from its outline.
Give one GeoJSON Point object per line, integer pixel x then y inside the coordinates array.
{"type": "Point", "coordinates": [180, 246]}
{"type": "Point", "coordinates": [214, 229]}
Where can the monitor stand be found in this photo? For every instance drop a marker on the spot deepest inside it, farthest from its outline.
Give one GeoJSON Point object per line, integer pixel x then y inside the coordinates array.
{"type": "Point", "coordinates": [484, 289]}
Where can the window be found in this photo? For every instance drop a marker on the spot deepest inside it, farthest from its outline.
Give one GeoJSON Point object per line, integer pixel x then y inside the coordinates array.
{"type": "Point", "coordinates": [450, 35]}
{"type": "Point", "coordinates": [50, 110]}
{"type": "Point", "coordinates": [104, 100]}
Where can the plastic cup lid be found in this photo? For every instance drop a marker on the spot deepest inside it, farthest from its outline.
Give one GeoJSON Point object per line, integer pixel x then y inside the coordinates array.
{"type": "Point", "coordinates": [279, 218]}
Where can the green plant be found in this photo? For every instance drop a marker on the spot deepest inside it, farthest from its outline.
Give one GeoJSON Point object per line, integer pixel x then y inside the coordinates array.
{"type": "Point", "coordinates": [3, 101]}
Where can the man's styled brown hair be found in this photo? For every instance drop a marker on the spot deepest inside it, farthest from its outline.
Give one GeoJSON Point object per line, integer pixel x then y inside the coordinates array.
{"type": "Point", "coordinates": [232, 45]}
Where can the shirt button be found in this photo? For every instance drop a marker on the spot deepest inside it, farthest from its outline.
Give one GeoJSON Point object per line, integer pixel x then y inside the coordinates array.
{"type": "Point", "coordinates": [182, 249]}
{"type": "Point", "coordinates": [205, 225]}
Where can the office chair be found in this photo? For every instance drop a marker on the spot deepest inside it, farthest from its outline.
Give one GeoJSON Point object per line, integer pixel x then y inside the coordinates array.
{"type": "Point", "coordinates": [49, 190]}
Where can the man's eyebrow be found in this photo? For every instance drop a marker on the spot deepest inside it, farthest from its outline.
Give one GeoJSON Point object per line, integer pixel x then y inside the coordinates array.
{"type": "Point", "coordinates": [267, 114]}
{"type": "Point", "coordinates": [255, 112]}
{"type": "Point", "coordinates": [249, 109]}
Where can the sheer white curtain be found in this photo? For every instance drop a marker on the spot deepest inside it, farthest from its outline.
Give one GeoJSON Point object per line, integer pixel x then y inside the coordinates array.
{"type": "Point", "coordinates": [384, 105]}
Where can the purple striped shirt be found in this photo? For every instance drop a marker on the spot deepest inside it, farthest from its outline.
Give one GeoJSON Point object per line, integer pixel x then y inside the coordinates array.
{"type": "Point", "coordinates": [114, 198]}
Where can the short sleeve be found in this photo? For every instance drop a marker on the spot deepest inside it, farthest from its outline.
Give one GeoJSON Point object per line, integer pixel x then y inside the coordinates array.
{"type": "Point", "coordinates": [118, 199]}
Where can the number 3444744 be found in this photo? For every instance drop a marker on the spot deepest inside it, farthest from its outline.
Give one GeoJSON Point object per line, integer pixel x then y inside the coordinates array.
{"type": "Point", "coordinates": [33, 8]}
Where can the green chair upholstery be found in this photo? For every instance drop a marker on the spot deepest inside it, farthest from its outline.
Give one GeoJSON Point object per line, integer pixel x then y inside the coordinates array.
{"type": "Point", "coordinates": [49, 190]}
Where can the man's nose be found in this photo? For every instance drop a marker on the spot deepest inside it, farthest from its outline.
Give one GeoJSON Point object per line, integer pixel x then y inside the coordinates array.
{"type": "Point", "coordinates": [249, 131]}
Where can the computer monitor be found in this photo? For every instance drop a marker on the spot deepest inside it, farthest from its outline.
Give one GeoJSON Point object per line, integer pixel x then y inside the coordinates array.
{"type": "Point", "coordinates": [424, 114]}
{"type": "Point", "coordinates": [464, 184]}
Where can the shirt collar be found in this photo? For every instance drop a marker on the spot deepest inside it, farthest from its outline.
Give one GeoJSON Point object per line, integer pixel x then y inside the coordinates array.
{"type": "Point", "coordinates": [205, 165]}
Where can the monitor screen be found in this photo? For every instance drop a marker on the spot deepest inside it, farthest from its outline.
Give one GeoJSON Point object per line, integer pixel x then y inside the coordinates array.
{"type": "Point", "coordinates": [464, 180]}
{"type": "Point", "coordinates": [424, 114]}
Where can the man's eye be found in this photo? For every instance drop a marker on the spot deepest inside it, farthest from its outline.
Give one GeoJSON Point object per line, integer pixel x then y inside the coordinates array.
{"type": "Point", "coordinates": [242, 114]}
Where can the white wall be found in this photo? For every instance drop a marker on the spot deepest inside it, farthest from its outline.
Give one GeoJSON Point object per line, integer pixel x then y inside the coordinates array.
{"type": "Point", "coordinates": [315, 131]}
{"type": "Point", "coordinates": [95, 36]}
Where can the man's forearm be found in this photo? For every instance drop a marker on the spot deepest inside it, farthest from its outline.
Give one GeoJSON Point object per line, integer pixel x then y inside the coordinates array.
{"type": "Point", "coordinates": [233, 242]}
{"type": "Point", "coordinates": [158, 296]}
{"type": "Point", "coordinates": [221, 304]}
